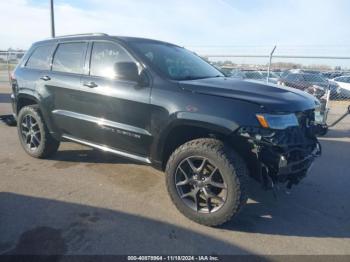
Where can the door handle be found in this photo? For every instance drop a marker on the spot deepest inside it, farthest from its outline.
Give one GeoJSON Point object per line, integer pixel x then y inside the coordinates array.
{"type": "Point", "coordinates": [45, 78]}
{"type": "Point", "coordinates": [90, 84]}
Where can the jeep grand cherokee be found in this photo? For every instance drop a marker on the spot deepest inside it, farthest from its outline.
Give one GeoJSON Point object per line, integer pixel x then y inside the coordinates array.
{"type": "Point", "coordinates": [160, 104]}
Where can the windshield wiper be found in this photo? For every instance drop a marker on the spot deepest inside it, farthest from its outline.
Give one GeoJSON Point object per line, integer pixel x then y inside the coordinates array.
{"type": "Point", "coordinates": [199, 77]}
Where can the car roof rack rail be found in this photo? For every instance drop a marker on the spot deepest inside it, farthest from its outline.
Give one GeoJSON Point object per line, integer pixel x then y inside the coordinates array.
{"type": "Point", "coordinates": [85, 34]}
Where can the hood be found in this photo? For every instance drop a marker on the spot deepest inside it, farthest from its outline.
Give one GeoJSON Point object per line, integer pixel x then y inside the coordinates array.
{"type": "Point", "coordinates": [272, 97]}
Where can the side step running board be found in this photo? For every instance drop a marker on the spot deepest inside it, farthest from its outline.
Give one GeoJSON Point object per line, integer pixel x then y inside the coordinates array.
{"type": "Point", "coordinates": [107, 149]}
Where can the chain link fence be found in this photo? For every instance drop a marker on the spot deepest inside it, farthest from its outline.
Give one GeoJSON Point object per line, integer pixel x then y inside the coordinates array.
{"type": "Point", "coordinates": [8, 61]}
{"type": "Point", "coordinates": [326, 77]}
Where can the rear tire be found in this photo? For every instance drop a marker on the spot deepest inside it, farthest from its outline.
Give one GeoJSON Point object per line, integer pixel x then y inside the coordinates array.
{"type": "Point", "coordinates": [33, 134]}
{"type": "Point", "coordinates": [215, 156]}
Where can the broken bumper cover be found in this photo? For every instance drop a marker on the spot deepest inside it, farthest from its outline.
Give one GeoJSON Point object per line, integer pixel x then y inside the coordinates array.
{"type": "Point", "coordinates": [283, 156]}
{"type": "Point", "coordinates": [298, 166]}
{"type": "Point", "coordinates": [290, 166]}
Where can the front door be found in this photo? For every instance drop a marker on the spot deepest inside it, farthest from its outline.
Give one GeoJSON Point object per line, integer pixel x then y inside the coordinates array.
{"type": "Point", "coordinates": [118, 110]}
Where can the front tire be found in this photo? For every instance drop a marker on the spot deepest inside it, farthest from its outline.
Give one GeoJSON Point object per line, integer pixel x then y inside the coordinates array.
{"type": "Point", "coordinates": [206, 181]}
{"type": "Point", "coordinates": [33, 134]}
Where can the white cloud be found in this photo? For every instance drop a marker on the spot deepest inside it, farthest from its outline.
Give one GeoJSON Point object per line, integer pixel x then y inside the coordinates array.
{"type": "Point", "coordinates": [185, 22]}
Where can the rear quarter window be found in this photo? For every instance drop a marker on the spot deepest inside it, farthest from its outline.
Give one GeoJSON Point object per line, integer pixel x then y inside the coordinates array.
{"type": "Point", "coordinates": [40, 58]}
{"type": "Point", "coordinates": [69, 58]}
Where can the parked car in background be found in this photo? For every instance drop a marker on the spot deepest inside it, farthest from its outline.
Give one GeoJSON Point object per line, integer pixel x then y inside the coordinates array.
{"type": "Point", "coordinates": [312, 83]}
{"type": "Point", "coordinates": [343, 83]}
{"type": "Point", "coordinates": [331, 74]}
{"type": "Point", "coordinates": [278, 73]}
{"type": "Point", "coordinates": [305, 71]}
{"type": "Point", "coordinates": [252, 75]}
{"type": "Point", "coordinates": [284, 73]}
{"type": "Point", "coordinates": [226, 71]}
{"type": "Point", "coordinates": [273, 78]}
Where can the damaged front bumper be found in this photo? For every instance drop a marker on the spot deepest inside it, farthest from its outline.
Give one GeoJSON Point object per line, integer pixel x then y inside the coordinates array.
{"type": "Point", "coordinates": [280, 156]}
{"type": "Point", "coordinates": [286, 168]}
{"type": "Point", "coordinates": [289, 165]}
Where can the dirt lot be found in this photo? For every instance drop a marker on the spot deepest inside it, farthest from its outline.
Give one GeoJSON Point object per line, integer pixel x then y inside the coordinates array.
{"type": "Point", "coordinates": [85, 202]}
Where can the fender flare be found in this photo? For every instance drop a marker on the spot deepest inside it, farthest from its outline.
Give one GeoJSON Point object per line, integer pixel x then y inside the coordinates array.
{"type": "Point", "coordinates": [211, 123]}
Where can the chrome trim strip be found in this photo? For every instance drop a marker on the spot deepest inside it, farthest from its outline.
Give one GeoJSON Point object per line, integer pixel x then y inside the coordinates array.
{"type": "Point", "coordinates": [102, 122]}
{"type": "Point", "coordinates": [107, 149]}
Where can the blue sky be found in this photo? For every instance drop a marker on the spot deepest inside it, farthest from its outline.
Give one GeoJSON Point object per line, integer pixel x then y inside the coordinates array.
{"type": "Point", "coordinates": [317, 27]}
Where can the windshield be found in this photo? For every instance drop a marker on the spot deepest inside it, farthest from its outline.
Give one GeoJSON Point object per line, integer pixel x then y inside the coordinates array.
{"type": "Point", "coordinates": [313, 78]}
{"type": "Point", "coordinates": [253, 75]}
{"type": "Point", "coordinates": [175, 62]}
{"type": "Point", "coordinates": [272, 74]}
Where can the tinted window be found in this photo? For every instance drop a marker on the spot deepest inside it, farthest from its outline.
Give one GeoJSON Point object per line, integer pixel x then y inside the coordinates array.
{"type": "Point", "coordinates": [69, 58]}
{"type": "Point", "coordinates": [299, 78]}
{"type": "Point", "coordinates": [104, 56]}
{"type": "Point", "coordinates": [272, 74]}
{"type": "Point", "coordinates": [284, 74]}
{"type": "Point", "coordinates": [175, 62]}
{"type": "Point", "coordinates": [40, 58]}
{"type": "Point", "coordinates": [313, 78]}
{"type": "Point", "coordinates": [253, 75]}
{"type": "Point", "coordinates": [291, 77]}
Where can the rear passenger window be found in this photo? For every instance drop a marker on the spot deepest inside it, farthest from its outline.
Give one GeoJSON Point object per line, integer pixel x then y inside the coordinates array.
{"type": "Point", "coordinates": [104, 56]}
{"type": "Point", "coordinates": [69, 58]}
{"type": "Point", "coordinates": [40, 58]}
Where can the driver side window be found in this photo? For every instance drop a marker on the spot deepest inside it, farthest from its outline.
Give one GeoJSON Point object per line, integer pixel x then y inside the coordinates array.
{"type": "Point", "coordinates": [104, 56]}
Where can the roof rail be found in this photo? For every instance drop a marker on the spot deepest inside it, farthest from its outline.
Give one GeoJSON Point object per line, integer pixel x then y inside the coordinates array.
{"type": "Point", "coordinates": [85, 34]}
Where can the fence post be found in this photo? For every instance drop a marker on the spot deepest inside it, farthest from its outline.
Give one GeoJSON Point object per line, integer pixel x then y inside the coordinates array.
{"type": "Point", "coordinates": [269, 67]}
{"type": "Point", "coordinates": [8, 64]}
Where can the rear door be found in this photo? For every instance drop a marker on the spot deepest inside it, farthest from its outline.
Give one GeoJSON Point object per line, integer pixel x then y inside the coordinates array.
{"type": "Point", "coordinates": [37, 65]}
{"type": "Point", "coordinates": [63, 86]}
{"type": "Point", "coordinates": [117, 111]}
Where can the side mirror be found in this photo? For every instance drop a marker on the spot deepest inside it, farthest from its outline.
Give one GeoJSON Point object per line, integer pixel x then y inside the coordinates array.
{"type": "Point", "coordinates": [126, 71]}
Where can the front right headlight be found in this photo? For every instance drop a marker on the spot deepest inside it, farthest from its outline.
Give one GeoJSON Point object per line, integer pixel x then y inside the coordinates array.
{"type": "Point", "coordinates": [277, 121]}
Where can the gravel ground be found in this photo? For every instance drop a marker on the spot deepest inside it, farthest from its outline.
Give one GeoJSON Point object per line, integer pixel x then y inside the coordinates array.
{"type": "Point", "coordinates": [83, 201]}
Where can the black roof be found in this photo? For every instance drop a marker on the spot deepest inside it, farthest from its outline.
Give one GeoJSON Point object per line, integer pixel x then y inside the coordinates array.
{"type": "Point", "coordinates": [99, 36]}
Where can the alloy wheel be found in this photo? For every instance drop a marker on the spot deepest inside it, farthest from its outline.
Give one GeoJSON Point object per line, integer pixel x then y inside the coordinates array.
{"type": "Point", "coordinates": [30, 131]}
{"type": "Point", "coordinates": [200, 184]}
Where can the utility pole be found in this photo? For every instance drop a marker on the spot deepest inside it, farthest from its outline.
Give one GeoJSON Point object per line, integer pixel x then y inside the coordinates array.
{"type": "Point", "coordinates": [52, 15]}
